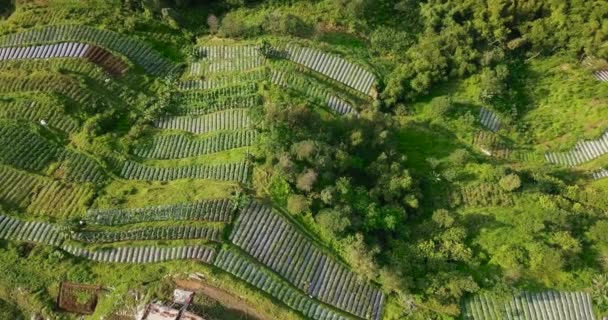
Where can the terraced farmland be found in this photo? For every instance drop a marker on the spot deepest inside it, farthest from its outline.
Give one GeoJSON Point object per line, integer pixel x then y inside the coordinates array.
{"type": "Point", "coordinates": [276, 243]}
{"type": "Point", "coordinates": [220, 210]}
{"type": "Point", "coordinates": [262, 279]}
{"type": "Point", "coordinates": [66, 50]}
{"type": "Point", "coordinates": [177, 146]}
{"type": "Point", "coordinates": [332, 66]}
{"type": "Point", "coordinates": [139, 255]}
{"type": "Point", "coordinates": [223, 120]}
{"type": "Point", "coordinates": [489, 119]}
{"type": "Point", "coordinates": [310, 89]}
{"type": "Point", "coordinates": [34, 111]}
{"type": "Point", "coordinates": [29, 231]}
{"type": "Point", "coordinates": [150, 233]}
{"type": "Point", "coordinates": [139, 52]}
{"type": "Point", "coordinates": [582, 152]}
{"type": "Point", "coordinates": [238, 172]}
{"type": "Point", "coordinates": [531, 306]}
{"type": "Point", "coordinates": [41, 195]}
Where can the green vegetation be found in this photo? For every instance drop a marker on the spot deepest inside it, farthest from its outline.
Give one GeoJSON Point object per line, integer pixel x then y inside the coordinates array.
{"type": "Point", "coordinates": [388, 159]}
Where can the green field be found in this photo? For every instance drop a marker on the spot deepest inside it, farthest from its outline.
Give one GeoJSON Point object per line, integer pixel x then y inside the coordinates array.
{"type": "Point", "coordinates": [328, 159]}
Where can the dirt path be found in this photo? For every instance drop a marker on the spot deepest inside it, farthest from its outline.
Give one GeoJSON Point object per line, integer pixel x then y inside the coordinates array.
{"type": "Point", "coordinates": [223, 297]}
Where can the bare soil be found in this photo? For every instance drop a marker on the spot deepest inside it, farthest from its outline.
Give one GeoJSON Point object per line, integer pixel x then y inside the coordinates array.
{"type": "Point", "coordinates": [226, 299]}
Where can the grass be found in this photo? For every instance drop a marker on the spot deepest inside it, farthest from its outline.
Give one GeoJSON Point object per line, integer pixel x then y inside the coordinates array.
{"type": "Point", "coordinates": [135, 194]}
{"type": "Point", "coordinates": [229, 156]}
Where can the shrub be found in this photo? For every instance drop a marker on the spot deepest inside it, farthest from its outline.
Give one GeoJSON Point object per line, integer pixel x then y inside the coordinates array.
{"type": "Point", "coordinates": [297, 204]}
{"type": "Point", "coordinates": [510, 182]}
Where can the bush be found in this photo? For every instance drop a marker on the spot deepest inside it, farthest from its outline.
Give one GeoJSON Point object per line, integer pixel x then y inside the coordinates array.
{"type": "Point", "coordinates": [510, 182]}
{"type": "Point", "coordinates": [234, 26]}
{"type": "Point", "coordinates": [286, 24]}
{"type": "Point", "coordinates": [297, 204]}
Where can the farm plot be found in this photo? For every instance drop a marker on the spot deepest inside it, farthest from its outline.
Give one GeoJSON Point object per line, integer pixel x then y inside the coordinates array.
{"type": "Point", "coordinates": [582, 152]}
{"type": "Point", "coordinates": [176, 146]}
{"type": "Point", "coordinates": [78, 167]}
{"type": "Point", "coordinates": [92, 53]}
{"type": "Point", "coordinates": [202, 102]}
{"type": "Point", "coordinates": [41, 195]}
{"type": "Point", "coordinates": [55, 197]}
{"type": "Point", "coordinates": [29, 231]}
{"type": "Point", "coordinates": [78, 298]}
{"type": "Point", "coordinates": [239, 266]}
{"type": "Point", "coordinates": [489, 119]}
{"type": "Point", "coordinates": [33, 111]}
{"type": "Point", "coordinates": [312, 90]}
{"type": "Point", "coordinates": [238, 172]}
{"type": "Point", "coordinates": [490, 144]}
{"type": "Point", "coordinates": [16, 186]}
{"type": "Point", "coordinates": [600, 174]}
{"type": "Point", "coordinates": [137, 51]}
{"type": "Point", "coordinates": [601, 75]}
{"type": "Point", "coordinates": [47, 83]}
{"type": "Point", "coordinates": [222, 120]}
{"type": "Point", "coordinates": [240, 64]}
{"type": "Point", "coordinates": [222, 81]}
{"type": "Point", "coordinates": [276, 243]}
{"type": "Point", "coordinates": [531, 306]}
{"type": "Point", "coordinates": [336, 68]}
{"type": "Point", "coordinates": [150, 233]}
{"type": "Point", "coordinates": [140, 255]}
{"type": "Point", "coordinates": [481, 195]}
{"type": "Point", "coordinates": [218, 210]}
{"type": "Point", "coordinates": [22, 148]}
{"type": "Point", "coordinates": [78, 71]}
{"type": "Point", "coordinates": [226, 52]}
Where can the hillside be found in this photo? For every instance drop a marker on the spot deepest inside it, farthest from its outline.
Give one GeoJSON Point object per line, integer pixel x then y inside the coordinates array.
{"type": "Point", "coordinates": [328, 159]}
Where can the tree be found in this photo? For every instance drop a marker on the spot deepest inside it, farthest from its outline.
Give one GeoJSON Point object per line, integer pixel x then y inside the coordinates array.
{"type": "Point", "coordinates": [297, 204]}
{"type": "Point", "coordinates": [306, 180]}
{"type": "Point", "coordinates": [333, 221]}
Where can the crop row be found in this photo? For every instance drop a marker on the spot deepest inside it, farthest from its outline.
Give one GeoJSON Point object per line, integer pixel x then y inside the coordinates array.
{"type": "Point", "coordinates": [259, 277]}
{"type": "Point", "coordinates": [220, 82]}
{"type": "Point", "coordinates": [35, 231]}
{"type": "Point", "coordinates": [227, 52]}
{"type": "Point", "coordinates": [138, 51]}
{"type": "Point", "coordinates": [531, 306]}
{"type": "Point", "coordinates": [222, 120]}
{"type": "Point", "coordinates": [490, 144]}
{"type": "Point", "coordinates": [481, 195]}
{"type": "Point", "coordinates": [312, 90]}
{"type": "Point", "coordinates": [176, 146]}
{"type": "Point", "coordinates": [72, 70]}
{"type": "Point", "coordinates": [78, 167]}
{"type": "Point", "coordinates": [489, 119]}
{"type": "Point", "coordinates": [276, 243]}
{"type": "Point", "coordinates": [238, 171]}
{"type": "Point", "coordinates": [16, 186]}
{"type": "Point", "coordinates": [24, 149]}
{"type": "Point", "coordinates": [582, 152]}
{"type": "Point", "coordinates": [601, 75]}
{"type": "Point", "coordinates": [56, 197]}
{"type": "Point", "coordinates": [240, 64]}
{"type": "Point", "coordinates": [47, 83]}
{"type": "Point", "coordinates": [58, 50]}
{"type": "Point", "coordinates": [333, 67]}
{"type": "Point", "coordinates": [33, 111]}
{"type": "Point", "coordinates": [92, 53]}
{"type": "Point", "coordinates": [219, 210]}
{"type": "Point", "coordinates": [600, 174]}
{"type": "Point", "coordinates": [243, 95]}
{"type": "Point", "coordinates": [41, 195]}
{"type": "Point", "coordinates": [150, 233]}
{"type": "Point", "coordinates": [144, 254]}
